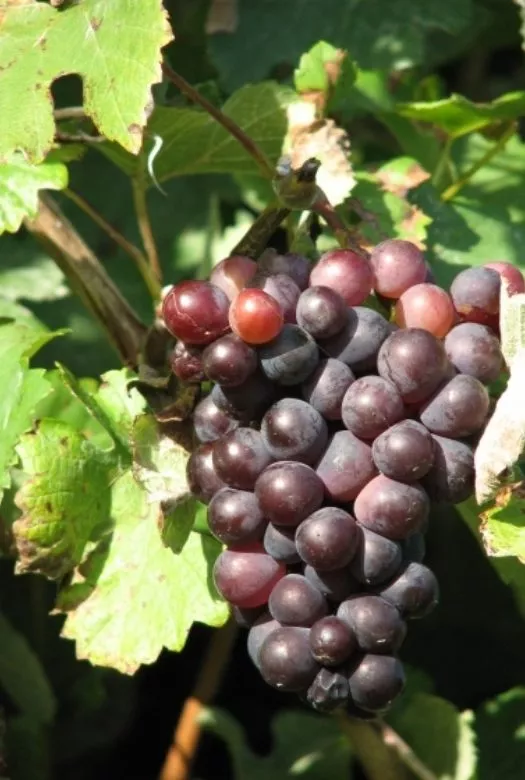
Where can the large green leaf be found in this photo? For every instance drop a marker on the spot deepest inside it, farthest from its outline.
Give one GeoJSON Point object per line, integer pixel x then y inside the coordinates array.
{"type": "Point", "coordinates": [500, 728]}
{"type": "Point", "coordinates": [20, 183]}
{"type": "Point", "coordinates": [114, 47]}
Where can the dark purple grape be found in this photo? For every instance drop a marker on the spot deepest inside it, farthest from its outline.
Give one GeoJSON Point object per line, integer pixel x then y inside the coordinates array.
{"type": "Point", "coordinates": [196, 312]}
{"type": "Point", "coordinates": [335, 585]}
{"type": "Point", "coordinates": [327, 539]}
{"type": "Point", "coordinates": [293, 265]}
{"type": "Point", "coordinates": [397, 265]}
{"type": "Point", "coordinates": [358, 343]}
{"type": "Point", "coordinates": [376, 681]}
{"type": "Point", "coordinates": [288, 492]}
{"type": "Point", "coordinates": [235, 516]}
{"type": "Point", "coordinates": [295, 602]}
{"type": "Point", "coordinates": [325, 388]}
{"type": "Point", "coordinates": [346, 466]}
{"type": "Point", "coordinates": [285, 660]}
{"type": "Point", "coordinates": [458, 409]}
{"type": "Point", "coordinates": [279, 542]}
{"type": "Point", "coordinates": [282, 288]}
{"type": "Point", "coordinates": [229, 361]}
{"type": "Point", "coordinates": [390, 508]}
{"type": "Point", "coordinates": [414, 548]}
{"type": "Point", "coordinates": [414, 592]}
{"type": "Point", "coordinates": [376, 559]}
{"type": "Point", "coordinates": [263, 627]}
{"type": "Point", "coordinates": [370, 406]}
{"type": "Point", "coordinates": [332, 641]}
{"type": "Point", "coordinates": [239, 458]}
{"type": "Point", "coordinates": [186, 362]}
{"type": "Point", "coordinates": [246, 402]}
{"type": "Point", "coordinates": [404, 452]}
{"type": "Point", "coordinates": [376, 624]}
{"type": "Point", "coordinates": [474, 349]}
{"type": "Point", "coordinates": [475, 293]}
{"type": "Point", "coordinates": [290, 358]}
{"type": "Point", "coordinates": [321, 312]}
{"type": "Point", "coordinates": [414, 361]}
{"type": "Point", "coordinates": [245, 575]}
{"type": "Point", "coordinates": [202, 477]}
{"type": "Point", "coordinates": [294, 430]}
{"type": "Point", "coordinates": [329, 690]}
{"type": "Point", "coordinates": [246, 618]}
{"type": "Point", "coordinates": [451, 478]}
{"type": "Point", "coordinates": [210, 422]}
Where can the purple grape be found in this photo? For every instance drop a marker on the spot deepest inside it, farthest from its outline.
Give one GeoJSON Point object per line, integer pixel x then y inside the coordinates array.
{"type": "Point", "coordinates": [186, 363]}
{"type": "Point", "coordinates": [263, 627]}
{"type": "Point", "coordinates": [288, 492]}
{"type": "Point", "coordinates": [321, 312]}
{"type": "Point", "coordinates": [414, 548]}
{"type": "Point", "coordinates": [376, 681]}
{"type": "Point", "coordinates": [451, 478]}
{"type": "Point", "coordinates": [414, 592]}
{"type": "Point", "coordinates": [326, 387]}
{"type": "Point", "coordinates": [235, 516]}
{"type": "Point", "coordinates": [294, 430]}
{"type": "Point", "coordinates": [329, 690]}
{"type": "Point", "coordinates": [458, 409]}
{"type": "Point", "coordinates": [202, 477]}
{"type": "Point", "coordinates": [397, 265]}
{"type": "Point", "coordinates": [239, 458]}
{"type": "Point", "coordinates": [404, 452]}
{"type": "Point", "coordinates": [327, 539]}
{"type": "Point", "coordinates": [246, 618]}
{"type": "Point", "coordinates": [290, 358]}
{"type": "Point", "coordinates": [392, 509]}
{"type": "Point", "coordinates": [332, 641]}
{"type": "Point", "coordinates": [475, 293]}
{"type": "Point", "coordinates": [474, 349]}
{"type": "Point", "coordinates": [282, 288]}
{"type": "Point", "coordinates": [346, 466]}
{"type": "Point", "coordinates": [359, 342]}
{"type": "Point", "coordinates": [279, 542]}
{"type": "Point", "coordinates": [210, 422]}
{"type": "Point", "coordinates": [293, 265]}
{"type": "Point", "coordinates": [229, 361]}
{"type": "Point", "coordinates": [376, 559]}
{"type": "Point", "coordinates": [376, 624]}
{"type": "Point", "coordinates": [295, 602]}
{"type": "Point", "coordinates": [246, 402]}
{"type": "Point", "coordinates": [285, 660]}
{"type": "Point", "coordinates": [245, 575]}
{"type": "Point", "coordinates": [414, 361]}
{"type": "Point", "coordinates": [370, 406]}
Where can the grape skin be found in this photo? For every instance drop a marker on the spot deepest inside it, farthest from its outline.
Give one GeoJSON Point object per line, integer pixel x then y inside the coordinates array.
{"type": "Point", "coordinates": [377, 558]}
{"type": "Point", "coordinates": [235, 516]}
{"type": "Point", "coordinates": [451, 478]}
{"type": "Point", "coordinates": [346, 272]}
{"type": "Point", "coordinates": [239, 458]}
{"type": "Point", "coordinates": [475, 293]}
{"type": "Point", "coordinates": [196, 312]}
{"type": "Point", "coordinates": [414, 592]}
{"type": "Point", "coordinates": [294, 601]}
{"type": "Point", "coordinates": [376, 623]}
{"type": "Point", "coordinates": [346, 466]}
{"type": "Point", "coordinates": [326, 387]}
{"type": "Point", "coordinates": [329, 690]}
{"type": "Point", "coordinates": [511, 274]}
{"type": "Point", "coordinates": [335, 585]}
{"type": "Point", "coordinates": [397, 265]}
{"type": "Point", "coordinates": [426, 306]}
{"type": "Point", "coordinates": [282, 288]}
{"type": "Point", "coordinates": [321, 312]}
{"type": "Point", "coordinates": [210, 422]}
{"type": "Point", "coordinates": [294, 430]}
{"type": "Point", "coordinates": [288, 492]}
{"type": "Point", "coordinates": [376, 681]}
{"type": "Point", "coordinates": [285, 660]}
{"type": "Point", "coordinates": [327, 539]}
{"type": "Point", "coordinates": [414, 361]}
{"type": "Point", "coordinates": [229, 361]}
{"type": "Point", "coordinates": [414, 548]}
{"type": "Point", "coordinates": [474, 349]}
{"type": "Point", "coordinates": [202, 477]}
{"type": "Point", "coordinates": [248, 401]}
{"type": "Point", "coordinates": [296, 266]}
{"type": "Point", "coordinates": [245, 575]}
{"type": "Point", "coordinates": [404, 452]}
{"type": "Point", "coordinates": [332, 642]}
{"type": "Point", "coordinates": [370, 406]}
{"type": "Point", "coordinates": [358, 343]}
{"type": "Point", "coordinates": [255, 316]}
{"type": "Point", "coordinates": [186, 363]}
{"type": "Point", "coordinates": [246, 618]}
{"type": "Point", "coordinates": [390, 508]}
{"type": "Point", "coordinates": [263, 627]}
{"type": "Point", "coordinates": [457, 409]}
{"type": "Point", "coordinates": [279, 542]}
{"type": "Point", "coordinates": [289, 358]}
{"type": "Point", "coordinates": [233, 273]}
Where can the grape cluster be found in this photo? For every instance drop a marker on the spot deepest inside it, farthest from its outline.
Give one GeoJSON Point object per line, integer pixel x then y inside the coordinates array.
{"type": "Point", "coordinates": [328, 431]}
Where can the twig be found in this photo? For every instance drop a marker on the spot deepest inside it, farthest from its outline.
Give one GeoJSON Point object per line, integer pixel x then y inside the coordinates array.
{"type": "Point", "coordinates": [378, 761]}
{"type": "Point", "coordinates": [73, 112]}
{"type": "Point", "coordinates": [88, 278]}
{"type": "Point", "coordinates": [324, 209]}
{"type": "Point", "coordinates": [134, 252]}
{"type": "Point", "coordinates": [232, 127]}
{"type": "Point", "coordinates": [178, 761]}
{"type": "Point", "coordinates": [257, 236]}
{"type": "Point", "coordinates": [78, 138]}
{"type": "Point", "coordinates": [144, 224]}
{"type": "Point", "coordinates": [405, 753]}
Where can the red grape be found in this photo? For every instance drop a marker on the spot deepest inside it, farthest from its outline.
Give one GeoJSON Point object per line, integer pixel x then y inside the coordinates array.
{"type": "Point", "coordinates": [390, 508]}
{"type": "Point", "coordinates": [256, 317]}
{"type": "Point", "coordinates": [426, 306]}
{"type": "Point", "coordinates": [475, 293]}
{"type": "Point", "coordinates": [346, 272]}
{"type": "Point", "coordinates": [196, 312]}
{"type": "Point", "coordinates": [512, 275]}
{"type": "Point", "coordinates": [397, 265]}
{"type": "Point", "coordinates": [245, 575]}
{"type": "Point", "coordinates": [233, 273]}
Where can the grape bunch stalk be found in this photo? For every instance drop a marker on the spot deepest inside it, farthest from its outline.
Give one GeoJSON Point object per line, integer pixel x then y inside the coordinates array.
{"type": "Point", "coordinates": [327, 433]}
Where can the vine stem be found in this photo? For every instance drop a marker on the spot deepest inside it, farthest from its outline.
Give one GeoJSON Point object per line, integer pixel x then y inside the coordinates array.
{"type": "Point", "coordinates": [145, 229]}
{"type": "Point", "coordinates": [453, 190]}
{"type": "Point", "coordinates": [405, 753]}
{"type": "Point", "coordinates": [179, 758]}
{"type": "Point", "coordinates": [232, 127]}
{"type": "Point", "coordinates": [134, 252]}
{"type": "Point", "coordinates": [324, 209]}
{"type": "Point", "coordinates": [256, 237]}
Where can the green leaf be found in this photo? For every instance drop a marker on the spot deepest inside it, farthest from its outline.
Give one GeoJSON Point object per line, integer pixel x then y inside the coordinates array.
{"type": "Point", "coordinates": [22, 676]}
{"type": "Point", "coordinates": [29, 276]}
{"type": "Point", "coordinates": [28, 749]}
{"type": "Point", "coordinates": [441, 737]}
{"type": "Point", "coordinates": [378, 34]}
{"type": "Point", "coordinates": [501, 736]}
{"type": "Point", "coordinates": [20, 183]}
{"type": "Point", "coordinates": [145, 597]}
{"type": "Point", "coordinates": [305, 746]}
{"type": "Point", "coordinates": [114, 47]}
{"type": "Point", "coordinates": [67, 495]}
{"type": "Point", "coordinates": [457, 116]}
{"type": "Point", "coordinates": [312, 73]}
{"type": "Point", "coordinates": [503, 525]}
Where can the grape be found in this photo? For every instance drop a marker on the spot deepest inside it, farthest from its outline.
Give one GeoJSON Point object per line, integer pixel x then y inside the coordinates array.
{"type": "Point", "coordinates": [282, 288]}
{"type": "Point", "coordinates": [328, 691]}
{"type": "Point", "coordinates": [280, 544]}
{"type": "Point", "coordinates": [288, 492]}
{"type": "Point", "coordinates": [246, 618]}
{"type": "Point", "coordinates": [246, 402]}
{"type": "Point", "coordinates": [255, 316]}
{"type": "Point", "coordinates": [414, 548]}
{"type": "Point", "coordinates": [390, 508]}
{"type": "Point", "coordinates": [263, 627]}
{"type": "Point", "coordinates": [321, 312]}
{"type": "Point", "coordinates": [346, 272]}
{"type": "Point", "coordinates": [370, 406]}
{"type": "Point", "coordinates": [397, 265]}
{"type": "Point", "coordinates": [245, 575]}
{"type": "Point", "coordinates": [414, 592]}
{"type": "Point", "coordinates": [414, 361]}
{"type": "Point", "coordinates": [210, 422]}
{"type": "Point", "coordinates": [186, 362]}
{"type": "Point", "coordinates": [359, 342]}
{"type": "Point", "coordinates": [474, 349]}
{"type": "Point", "coordinates": [233, 273]}
{"type": "Point", "coordinates": [291, 264]}
{"type": "Point", "coordinates": [285, 660]}
{"type": "Point", "coordinates": [404, 452]}
{"type": "Point", "coordinates": [511, 274]}
{"type": "Point", "coordinates": [346, 466]}
{"type": "Point", "coordinates": [457, 409]}
{"type": "Point", "coordinates": [196, 312]}
{"type": "Point", "coordinates": [451, 478]}
{"type": "Point", "coordinates": [475, 293]}
{"type": "Point", "coordinates": [426, 306]}
{"type": "Point", "coordinates": [332, 641]}
{"type": "Point", "coordinates": [295, 602]}
{"type": "Point", "coordinates": [325, 388]}
{"type": "Point", "coordinates": [235, 516]}
{"type": "Point", "coordinates": [376, 681]}
{"type": "Point", "coordinates": [376, 559]}
{"type": "Point", "coordinates": [335, 585]}
{"type": "Point", "coordinates": [202, 477]}
{"type": "Point", "coordinates": [376, 624]}
{"type": "Point", "coordinates": [294, 430]}
{"type": "Point", "coordinates": [327, 539]}
{"type": "Point", "coordinates": [290, 357]}
{"type": "Point", "coordinates": [239, 458]}
{"type": "Point", "coordinates": [229, 361]}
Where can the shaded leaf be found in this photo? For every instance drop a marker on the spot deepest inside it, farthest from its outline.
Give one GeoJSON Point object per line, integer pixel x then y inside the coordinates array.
{"type": "Point", "coordinates": [503, 525]}
{"type": "Point", "coordinates": [20, 183]}
{"type": "Point", "coordinates": [500, 729]}
{"type": "Point", "coordinates": [27, 747]}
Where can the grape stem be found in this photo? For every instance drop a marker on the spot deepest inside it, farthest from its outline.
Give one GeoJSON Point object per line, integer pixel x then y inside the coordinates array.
{"type": "Point", "coordinates": [134, 252]}
{"type": "Point", "coordinates": [324, 209]}
{"type": "Point", "coordinates": [257, 236]}
{"type": "Point", "coordinates": [144, 225]}
{"type": "Point", "coordinates": [229, 125]}
{"type": "Point", "coordinates": [177, 764]}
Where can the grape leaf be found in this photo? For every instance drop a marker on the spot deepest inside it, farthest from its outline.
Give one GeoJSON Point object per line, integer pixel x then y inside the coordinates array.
{"type": "Point", "coordinates": [376, 32]}
{"type": "Point", "coordinates": [22, 676]}
{"type": "Point", "coordinates": [305, 746]}
{"type": "Point", "coordinates": [114, 47]}
{"type": "Point", "coordinates": [20, 183]}
{"type": "Point", "coordinates": [503, 525]}
{"type": "Point", "coordinates": [145, 597]}
{"type": "Point", "coordinates": [500, 732]}
{"type": "Point", "coordinates": [321, 66]}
